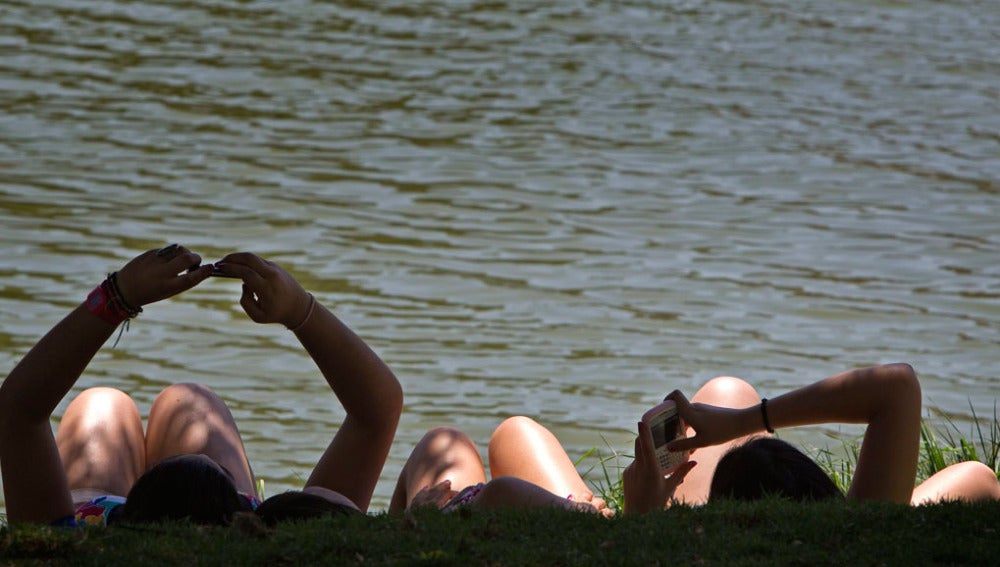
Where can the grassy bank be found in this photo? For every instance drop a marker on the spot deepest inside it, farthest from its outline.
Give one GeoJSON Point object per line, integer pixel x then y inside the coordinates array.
{"type": "Point", "coordinates": [770, 532]}
{"type": "Point", "coordinates": [726, 533]}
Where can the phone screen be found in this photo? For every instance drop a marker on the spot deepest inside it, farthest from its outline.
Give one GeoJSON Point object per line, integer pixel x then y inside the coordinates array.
{"type": "Point", "coordinates": [664, 429]}
{"type": "Point", "coordinates": [665, 425]}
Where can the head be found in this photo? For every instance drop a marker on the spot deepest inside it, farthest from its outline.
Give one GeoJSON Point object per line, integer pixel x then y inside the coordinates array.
{"type": "Point", "coordinates": [313, 502]}
{"type": "Point", "coordinates": [192, 487]}
{"type": "Point", "coordinates": [765, 466]}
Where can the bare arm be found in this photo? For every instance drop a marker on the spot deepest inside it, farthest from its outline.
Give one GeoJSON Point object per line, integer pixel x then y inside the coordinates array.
{"type": "Point", "coordinates": [35, 486]}
{"type": "Point", "coordinates": [367, 389]}
{"type": "Point", "coordinates": [886, 397]}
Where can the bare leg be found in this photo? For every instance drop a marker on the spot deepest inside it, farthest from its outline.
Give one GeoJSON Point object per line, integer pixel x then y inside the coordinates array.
{"type": "Point", "coordinates": [101, 444]}
{"type": "Point", "coordinates": [191, 419]}
{"type": "Point", "coordinates": [522, 448]}
{"type": "Point", "coordinates": [723, 391]}
{"type": "Point", "coordinates": [968, 481]}
{"type": "Point", "coordinates": [444, 453]}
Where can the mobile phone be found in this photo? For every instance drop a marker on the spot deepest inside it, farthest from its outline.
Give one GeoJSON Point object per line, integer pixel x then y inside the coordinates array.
{"type": "Point", "coordinates": [220, 274]}
{"type": "Point", "coordinates": [665, 425]}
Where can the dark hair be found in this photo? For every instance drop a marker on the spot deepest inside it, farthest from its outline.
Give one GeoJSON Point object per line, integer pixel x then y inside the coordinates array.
{"type": "Point", "coordinates": [189, 487]}
{"type": "Point", "coordinates": [298, 505]}
{"type": "Point", "coordinates": [766, 466]}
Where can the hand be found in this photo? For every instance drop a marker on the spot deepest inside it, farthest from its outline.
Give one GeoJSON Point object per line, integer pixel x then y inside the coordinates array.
{"type": "Point", "coordinates": [712, 424]}
{"type": "Point", "coordinates": [270, 294]}
{"type": "Point", "coordinates": [152, 275]}
{"type": "Point", "coordinates": [646, 489]}
{"type": "Point", "coordinates": [436, 496]}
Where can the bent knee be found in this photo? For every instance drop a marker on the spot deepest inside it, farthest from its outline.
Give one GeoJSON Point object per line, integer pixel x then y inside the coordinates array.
{"type": "Point", "coordinates": [186, 392]}
{"type": "Point", "coordinates": [102, 400]}
{"type": "Point", "coordinates": [727, 391]}
{"type": "Point", "coordinates": [444, 438]}
{"type": "Point", "coordinates": [976, 473]}
{"type": "Point", "coordinates": [517, 423]}
{"type": "Point", "coordinates": [966, 481]}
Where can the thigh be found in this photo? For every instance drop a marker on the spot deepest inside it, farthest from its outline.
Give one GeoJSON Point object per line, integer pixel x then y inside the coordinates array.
{"type": "Point", "coordinates": [101, 443]}
{"type": "Point", "coordinates": [444, 453]}
{"type": "Point", "coordinates": [522, 448]}
{"type": "Point", "coordinates": [966, 481]}
{"type": "Point", "coordinates": [723, 391]}
{"type": "Point", "coordinates": [191, 419]}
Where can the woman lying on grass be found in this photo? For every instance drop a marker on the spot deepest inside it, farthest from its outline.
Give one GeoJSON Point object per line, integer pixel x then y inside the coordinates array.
{"type": "Point", "coordinates": [190, 462]}
{"type": "Point", "coordinates": [528, 465]}
{"type": "Point", "coordinates": [734, 456]}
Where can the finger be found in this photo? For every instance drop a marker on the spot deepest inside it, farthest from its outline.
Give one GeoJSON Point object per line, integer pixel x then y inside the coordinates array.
{"type": "Point", "coordinates": [638, 458]}
{"type": "Point", "coordinates": [250, 260]}
{"type": "Point", "coordinates": [170, 252]}
{"type": "Point", "coordinates": [241, 271]}
{"type": "Point", "coordinates": [646, 447]}
{"type": "Point", "coordinates": [192, 278]}
{"type": "Point", "coordinates": [184, 261]}
{"type": "Point", "coordinates": [186, 281]}
{"type": "Point", "coordinates": [682, 471]}
{"type": "Point", "coordinates": [250, 305]}
{"type": "Point", "coordinates": [686, 444]}
{"type": "Point", "coordinates": [683, 405]}
{"type": "Point", "coordinates": [148, 253]}
{"type": "Point", "coordinates": [167, 250]}
{"type": "Point", "coordinates": [441, 488]}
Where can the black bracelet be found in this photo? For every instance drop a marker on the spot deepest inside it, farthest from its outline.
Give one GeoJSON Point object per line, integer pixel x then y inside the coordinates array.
{"type": "Point", "coordinates": [763, 414]}
{"type": "Point", "coordinates": [120, 299]}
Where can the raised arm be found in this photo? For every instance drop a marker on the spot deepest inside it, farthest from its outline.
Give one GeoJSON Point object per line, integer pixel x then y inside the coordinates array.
{"type": "Point", "coordinates": [367, 389]}
{"type": "Point", "coordinates": [35, 486]}
{"type": "Point", "coordinates": [886, 397]}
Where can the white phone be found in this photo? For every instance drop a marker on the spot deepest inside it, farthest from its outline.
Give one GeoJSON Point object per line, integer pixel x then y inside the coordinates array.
{"type": "Point", "coordinates": [665, 425]}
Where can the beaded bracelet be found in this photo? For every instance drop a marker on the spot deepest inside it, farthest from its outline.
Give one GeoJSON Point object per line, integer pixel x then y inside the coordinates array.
{"type": "Point", "coordinates": [132, 311]}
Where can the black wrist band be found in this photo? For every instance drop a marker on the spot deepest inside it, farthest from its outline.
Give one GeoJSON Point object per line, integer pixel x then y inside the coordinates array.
{"type": "Point", "coordinates": [763, 414]}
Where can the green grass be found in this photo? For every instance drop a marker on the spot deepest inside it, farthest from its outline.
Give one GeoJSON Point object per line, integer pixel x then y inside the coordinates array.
{"type": "Point", "coordinates": [725, 533]}
{"type": "Point", "coordinates": [762, 533]}
{"type": "Point", "coordinates": [607, 481]}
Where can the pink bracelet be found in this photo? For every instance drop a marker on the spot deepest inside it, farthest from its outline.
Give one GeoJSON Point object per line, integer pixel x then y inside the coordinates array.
{"type": "Point", "coordinates": [101, 303]}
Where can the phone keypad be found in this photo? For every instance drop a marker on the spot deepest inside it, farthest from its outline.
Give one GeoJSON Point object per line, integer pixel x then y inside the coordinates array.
{"type": "Point", "coordinates": [669, 460]}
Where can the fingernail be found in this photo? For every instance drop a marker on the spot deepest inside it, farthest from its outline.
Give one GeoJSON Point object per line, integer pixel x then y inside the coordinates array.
{"type": "Point", "coordinates": [166, 249]}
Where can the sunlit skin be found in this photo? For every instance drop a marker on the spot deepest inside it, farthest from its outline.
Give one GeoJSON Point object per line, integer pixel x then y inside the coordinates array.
{"type": "Point", "coordinates": [727, 411]}
{"type": "Point", "coordinates": [529, 467]}
{"type": "Point", "coordinates": [101, 448]}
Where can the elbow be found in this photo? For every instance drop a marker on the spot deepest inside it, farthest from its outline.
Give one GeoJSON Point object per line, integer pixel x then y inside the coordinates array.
{"type": "Point", "coordinates": [390, 404]}
{"type": "Point", "coordinates": [395, 400]}
{"type": "Point", "coordinates": [902, 378]}
{"type": "Point", "coordinates": [900, 384]}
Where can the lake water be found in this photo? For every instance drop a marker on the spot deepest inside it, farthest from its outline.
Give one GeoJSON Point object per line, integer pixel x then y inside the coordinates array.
{"type": "Point", "coordinates": [563, 209]}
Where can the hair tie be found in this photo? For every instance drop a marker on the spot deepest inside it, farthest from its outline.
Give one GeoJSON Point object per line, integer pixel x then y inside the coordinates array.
{"type": "Point", "coordinates": [763, 414]}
